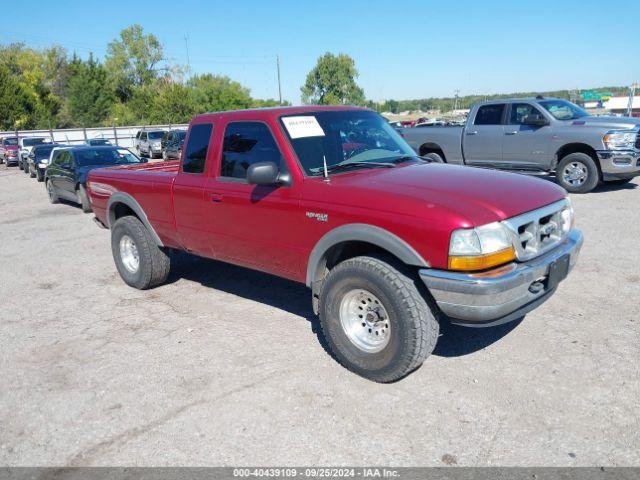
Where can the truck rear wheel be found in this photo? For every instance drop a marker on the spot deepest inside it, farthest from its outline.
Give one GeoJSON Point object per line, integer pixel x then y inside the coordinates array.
{"type": "Point", "coordinates": [577, 173]}
{"type": "Point", "coordinates": [375, 320]}
{"type": "Point", "coordinates": [140, 262]}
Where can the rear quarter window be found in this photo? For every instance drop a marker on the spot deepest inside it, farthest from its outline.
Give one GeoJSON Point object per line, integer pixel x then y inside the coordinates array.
{"type": "Point", "coordinates": [195, 155]}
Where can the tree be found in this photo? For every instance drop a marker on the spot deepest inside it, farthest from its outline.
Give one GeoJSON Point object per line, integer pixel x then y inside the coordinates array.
{"type": "Point", "coordinates": [332, 82]}
{"type": "Point", "coordinates": [26, 66]}
{"type": "Point", "coordinates": [133, 60]}
{"type": "Point", "coordinates": [89, 98]}
{"type": "Point", "coordinates": [15, 103]}
{"type": "Point", "coordinates": [172, 103]}
{"type": "Point", "coordinates": [214, 93]}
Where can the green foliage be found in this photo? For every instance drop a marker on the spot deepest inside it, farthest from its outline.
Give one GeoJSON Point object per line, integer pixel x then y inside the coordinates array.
{"type": "Point", "coordinates": [173, 103]}
{"type": "Point", "coordinates": [89, 98]}
{"type": "Point", "coordinates": [214, 93]}
{"type": "Point", "coordinates": [16, 105]}
{"type": "Point", "coordinates": [132, 60]}
{"type": "Point", "coordinates": [332, 82]}
{"type": "Point", "coordinates": [47, 88]}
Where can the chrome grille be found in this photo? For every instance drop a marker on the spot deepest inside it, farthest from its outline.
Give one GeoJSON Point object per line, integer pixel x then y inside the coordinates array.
{"type": "Point", "coordinates": [538, 231]}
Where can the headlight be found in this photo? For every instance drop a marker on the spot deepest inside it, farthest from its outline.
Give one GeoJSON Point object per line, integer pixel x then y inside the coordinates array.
{"type": "Point", "coordinates": [480, 248]}
{"type": "Point", "coordinates": [43, 163]}
{"type": "Point", "coordinates": [567, 218]}
{"type": "Point", "coordinates": [617, 139]}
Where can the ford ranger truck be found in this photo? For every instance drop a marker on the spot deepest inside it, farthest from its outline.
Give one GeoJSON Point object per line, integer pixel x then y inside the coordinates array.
{"type": "Point", "coordinates": [389, 244]}
{"type": "Point", "coordinates": [538, 135]}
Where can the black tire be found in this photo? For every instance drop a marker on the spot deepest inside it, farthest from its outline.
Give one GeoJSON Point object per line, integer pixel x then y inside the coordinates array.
{"type": "Point", "coordinates": [434, 157]}
{"type": "Point", "coordinates": [413, 329]}
{"type": "Point", "coordinates": [39, 176]}
{"type": "Point", "coordinates": [32, 174]}
{"type": "Point", "coordinates": [51, 190]}
{"type": "Point", "coordinates": [154, 263]}
{"type": "Point", "coordinates": [583, 162]}
{"type": "Point", "coordinates": [618, 181]}
{"type": "Point", "coordinates": [83, 199]}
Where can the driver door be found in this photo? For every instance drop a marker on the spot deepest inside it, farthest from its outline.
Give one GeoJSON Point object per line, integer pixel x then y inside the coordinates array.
{"type": "Point", "coordinates": [253, 225]}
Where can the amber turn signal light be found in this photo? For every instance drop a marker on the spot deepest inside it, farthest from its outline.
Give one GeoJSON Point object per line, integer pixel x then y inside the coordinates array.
{"type": "Point", "coordinates": [481, 262]}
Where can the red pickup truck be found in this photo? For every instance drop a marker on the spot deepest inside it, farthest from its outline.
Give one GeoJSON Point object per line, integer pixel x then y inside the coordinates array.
{"type": "Point", "coordinates": [389, 243]}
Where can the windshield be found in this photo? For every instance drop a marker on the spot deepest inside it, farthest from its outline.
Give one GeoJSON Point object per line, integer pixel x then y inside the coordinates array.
{"type": "Point", "coordinates": [30, 142]}
{"type": "Point", "coordinates": [155, 135]}
{"type": "Point", "coordinates": [11, 141]}
{"type": "Point", "coordinates": [106, 156]}
{"type": "Point", "coordinates": [343, 137]}
{"type": "Point", "coordinates": [43, 151]}
{"type": "Point", "coordinates": [564, 110]}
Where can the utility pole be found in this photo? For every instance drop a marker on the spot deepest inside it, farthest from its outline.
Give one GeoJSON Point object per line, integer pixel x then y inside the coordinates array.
{"type": "Point", "coordinates": [186, 45]}
{"type": "Point", "coordinates": [279, 86]}
{"type": "Point", "coordinates": [632, 94]}
{"type": "Point", "coordinates": [455, 103]}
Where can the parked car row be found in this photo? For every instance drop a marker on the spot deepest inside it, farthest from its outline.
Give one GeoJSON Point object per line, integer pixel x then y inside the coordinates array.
{"type": "Point", "coordinates": [156, 143]}
{"type": "Point", "coordinates": [64, 168]}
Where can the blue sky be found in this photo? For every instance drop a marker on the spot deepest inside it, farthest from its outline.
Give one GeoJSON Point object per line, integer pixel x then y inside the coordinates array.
{"type": "Point", "coordinates": [403, 49]}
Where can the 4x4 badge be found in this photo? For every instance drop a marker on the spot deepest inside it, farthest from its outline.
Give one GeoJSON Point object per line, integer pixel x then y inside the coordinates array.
{"type": "Point", "coordinates": [321, 217]}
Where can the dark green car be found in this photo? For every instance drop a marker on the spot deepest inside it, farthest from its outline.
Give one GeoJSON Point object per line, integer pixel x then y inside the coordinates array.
{"type": "Point", "coordinates": [66, 175]}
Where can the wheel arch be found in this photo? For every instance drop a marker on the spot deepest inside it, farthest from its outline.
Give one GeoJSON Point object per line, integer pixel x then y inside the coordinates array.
{"type": "Point", "coordinates": [352, 240]}
{"type": "Point", "coordinates": [577, 147]}
{"type": "Point", "coordinates": [122, 204]}
{"type": "Point", "coordinates": [431, 147]}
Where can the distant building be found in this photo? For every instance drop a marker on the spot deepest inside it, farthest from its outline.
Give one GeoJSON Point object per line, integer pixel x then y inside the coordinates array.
{"type": "Point", "coordinates": [615, 106]}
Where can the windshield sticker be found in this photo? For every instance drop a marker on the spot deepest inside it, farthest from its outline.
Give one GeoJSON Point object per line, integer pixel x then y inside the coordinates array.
{"type": "Point", "coordinates": [302, 127]}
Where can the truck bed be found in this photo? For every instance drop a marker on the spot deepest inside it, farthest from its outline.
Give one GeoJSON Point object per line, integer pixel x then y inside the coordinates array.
{"type": "Point", "coordinates": [151, 184]}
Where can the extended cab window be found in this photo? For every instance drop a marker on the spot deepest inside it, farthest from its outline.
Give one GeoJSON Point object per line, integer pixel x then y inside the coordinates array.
{"type": "Point", "coordinates": [489, 114]}
{"type": "Point", "coordinates": [519, 111]}
{"type": "Point", "coordinates": [246, 143]}
{"type": "Point", "coordinates": [197, 148]}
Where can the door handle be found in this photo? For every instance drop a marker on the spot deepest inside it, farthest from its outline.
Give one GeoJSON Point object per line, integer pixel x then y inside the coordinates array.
{"type": "Point", "coordinates": [514, 132]}
{"type": "Point", "coordinates": [215, 197]}
{"type": "Point", "coordinates": [473, 132]}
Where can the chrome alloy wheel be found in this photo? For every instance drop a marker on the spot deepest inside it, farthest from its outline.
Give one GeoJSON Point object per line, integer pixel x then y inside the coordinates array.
{"type": "Point", "coordinates": [365, 320]}
{"type": "Point", "coordinates": [129, 254]}
{"type": "Point", "coordinates": [575, 173]}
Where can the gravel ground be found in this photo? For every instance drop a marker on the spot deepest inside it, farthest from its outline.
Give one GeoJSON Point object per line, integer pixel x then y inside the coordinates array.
{"type": "Point", "coordinates": [222, 366]}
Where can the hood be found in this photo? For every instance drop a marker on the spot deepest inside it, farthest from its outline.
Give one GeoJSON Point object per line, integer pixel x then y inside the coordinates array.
{"type": "Point", "coordinates": [608, 122]}
{"type": "Point", "coordinates": [475, 196]}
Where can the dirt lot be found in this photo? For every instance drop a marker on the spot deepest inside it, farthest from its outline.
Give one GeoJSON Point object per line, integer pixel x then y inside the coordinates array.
{"type": "Point", "coordinates": [222, 366]}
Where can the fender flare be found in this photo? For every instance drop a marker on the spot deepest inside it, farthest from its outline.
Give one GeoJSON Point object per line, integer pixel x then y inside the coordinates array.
{"type": "Point", "coordinates": [361, 232]}
{"type": "Point", "coordinates": [129, 201]}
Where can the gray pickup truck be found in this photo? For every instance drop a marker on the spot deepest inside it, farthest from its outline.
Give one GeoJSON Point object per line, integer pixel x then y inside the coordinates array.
{"type": "Point", "coordinates": [538, 135]}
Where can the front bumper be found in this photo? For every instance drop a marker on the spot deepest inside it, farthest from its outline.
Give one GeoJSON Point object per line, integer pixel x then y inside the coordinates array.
{"type": "Point", "coordinates": [501, 295]}
{"type": "Point", "coordinates": [619, 164]}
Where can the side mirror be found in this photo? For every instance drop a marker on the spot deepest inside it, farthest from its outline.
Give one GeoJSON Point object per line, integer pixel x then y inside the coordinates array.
{"type": "Point", "coordinates": [263, 173]}
{"type": "Point", "coordinates": [143, 160]}
{"type": "Point", "coordinates": [535, 120]}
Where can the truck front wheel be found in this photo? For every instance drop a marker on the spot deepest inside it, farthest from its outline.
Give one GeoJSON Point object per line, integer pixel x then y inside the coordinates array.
{"type": "Point", "coordinates": [577, 173]}
{"type": "Point", "coordinates": [375, 320]}
{"type": "Point", "coordinates": [140, 262]}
